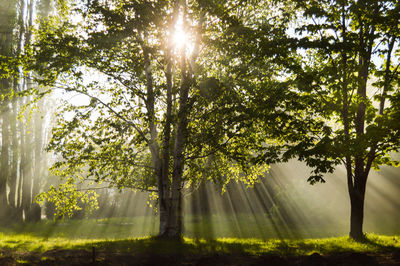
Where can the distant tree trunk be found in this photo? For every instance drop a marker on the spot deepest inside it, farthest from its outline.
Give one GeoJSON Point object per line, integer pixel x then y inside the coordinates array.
{"type": "Point", "coordinates": [16, 212]}
{"type": "Point", "coordinates": [13, 197]}
{"type": "Point", "coordinates": [32, 152]}
{"type": "Point", "coordinates": [35, 214]}
{"type": "Point", "coordinates": [4, 176]}
{"type": "Point", "coordinates": [7, 16]}
{"type": "Point", "coordinates": [22, 161]}
{"type": "Point", "coordinates": [26, 173]}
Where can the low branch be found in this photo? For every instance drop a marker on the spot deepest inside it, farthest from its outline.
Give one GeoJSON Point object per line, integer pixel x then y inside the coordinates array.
{"type": "Point", "coordinates": [111, 109]}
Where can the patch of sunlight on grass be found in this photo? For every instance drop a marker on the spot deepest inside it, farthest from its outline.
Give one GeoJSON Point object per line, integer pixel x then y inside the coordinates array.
{"type": "Point", "coordinates": [374, 243]}
{"type": "Point", "coordinates": [150, 245]}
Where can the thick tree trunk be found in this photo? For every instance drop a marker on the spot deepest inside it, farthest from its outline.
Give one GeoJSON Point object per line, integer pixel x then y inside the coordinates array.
{"type": "Point", "coordinates": [357, 217]}
{"type": "Point", "coordinates": [164, 214]}
{"type": "Point", "coordinates": [171, 220]}
{"type": "Point", "coordinates": [357, 197]}
{"type": "Point", "coordinates": [176, 215]}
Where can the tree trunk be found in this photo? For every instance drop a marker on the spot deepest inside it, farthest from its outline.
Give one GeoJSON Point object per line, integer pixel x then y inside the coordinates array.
{"type": "Point", "coordinates": [169, 193]}
{"type": "Point", "coordinates": [357, 196]}
{"type": "Point", "coordinates": [35, 214]}
{"type": "Point", "coordinates": [7, 16]}
{"type": "Point", "coordinates": [356, 218]}
{"type": "Point", "coordinates": [4, 210]}
{"type": "Point", "coordinates": [165, 184]}
{"type": "Point", "coordinates": [163, 212]}
{"type": "Point", "coordinates": [16, 212]}
{"type": "Point", "coordinates": [26, 178]}
{"type": "Point", "coordinates": [35, 211]}
{"type": "Point", "coordinates": [171, 219]}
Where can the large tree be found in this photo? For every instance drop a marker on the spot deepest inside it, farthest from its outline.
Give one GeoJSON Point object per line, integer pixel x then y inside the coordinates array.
{"type": "Point", "coordinates": [154, 116]}
{"type": "Point", "coordinates": [337, 99]}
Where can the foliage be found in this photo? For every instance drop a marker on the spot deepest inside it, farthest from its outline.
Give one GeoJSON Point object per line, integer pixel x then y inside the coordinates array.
{"type": "Point", "coordinates": [120, 58]}
{"type": "Point", "coordinates": [67, 199]}
{"type": "Point", "coordinates": [339, 94]}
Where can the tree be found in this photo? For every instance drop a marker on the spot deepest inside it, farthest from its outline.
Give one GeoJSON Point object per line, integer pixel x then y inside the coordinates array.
{"type": "Point", "coordinates": [19, 157]}
{"type": "Point", "coordinates": [338, 95]}
{"type": "Point", "coordinates": [154, 117]}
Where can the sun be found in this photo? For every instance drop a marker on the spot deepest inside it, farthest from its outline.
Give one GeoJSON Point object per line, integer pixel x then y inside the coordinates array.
{"type": "Point", "coordinates": [181, 38]}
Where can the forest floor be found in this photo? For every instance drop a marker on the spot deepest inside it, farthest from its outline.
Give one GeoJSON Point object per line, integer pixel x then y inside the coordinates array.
{"type": "Point", "coordinates": [83, 257]}
{"type": "Point", "coordinates": [96, 242]}
{"type": "Point", "coordinates": [377, 250]}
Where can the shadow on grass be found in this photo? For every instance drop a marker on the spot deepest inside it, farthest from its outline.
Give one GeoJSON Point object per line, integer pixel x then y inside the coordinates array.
{"type": "Point", "coordinates": [41, 237]}
{"type": "Point", "coordinates": [234, 251]}
{"type": "Point", "coordinates": [155, 246]}
{"type": "Point", "coordinates": [375, 241]}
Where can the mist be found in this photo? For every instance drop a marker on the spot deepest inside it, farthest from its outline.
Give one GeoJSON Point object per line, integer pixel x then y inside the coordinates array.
{"type": "Point", "coordinates": [281, 205]}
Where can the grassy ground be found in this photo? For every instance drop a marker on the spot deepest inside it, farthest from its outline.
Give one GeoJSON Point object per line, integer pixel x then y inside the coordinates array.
{"type": "Point", "coordinates": [211, 226]}
{"type": "Point", "coordinates": [18, 249]}
{"type": "Point", "coordinates": [324, 246]}
{"type": "Point", "coordinates": [110, 242]}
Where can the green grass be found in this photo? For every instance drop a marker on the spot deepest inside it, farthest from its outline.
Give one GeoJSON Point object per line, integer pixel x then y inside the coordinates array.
{"type": "Point", "coordinates": [211, 226]}
{"type": "Point", "coordinates": [114, 228]}
{"type": "Point", "coordinates": [132, 235]}
{"type": "Point", "coordinates": [29, 243]}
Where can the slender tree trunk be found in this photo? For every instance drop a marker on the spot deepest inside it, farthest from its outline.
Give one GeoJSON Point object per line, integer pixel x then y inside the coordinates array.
{"type": "Point", "coordinates": [35, 214]}
{"type": "Point", "coordinates": [16, 213]}
{"type": "Point", "coordinates": [4, 176]}
{"type": "Point", "coordinates": [162, 179]}
{"type": "Point", "coordinates": [21, 129]}
{"type": "Point", "coordinates": [29, 139]}
{"type": "Point", "coordinates": [7, 16]}
{"type": "Point", "coordinates": [26, 176]}
{"type": "Point", "coordinates": [15, 210]}
{"type": "Point", "coordinates": [165, 184]}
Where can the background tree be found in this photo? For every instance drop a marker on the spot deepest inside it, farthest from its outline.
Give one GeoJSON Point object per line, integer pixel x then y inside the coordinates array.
{"type": "Point", "coordinates": [336, 102]}
{"type": "Point", "coordinates": [22, 143]}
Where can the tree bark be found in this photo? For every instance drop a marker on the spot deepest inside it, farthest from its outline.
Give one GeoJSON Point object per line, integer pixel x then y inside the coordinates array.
{"type": "Point", "coordinates": [162, 179]}
{"type": "Point", "coordinates": [35, 213]}
{"type": "Point", "coordinates": [357, 196]}
{"type": "Point", "coordinates": [26, 173]}
{"type": "Point", "coordinates": [357, 184]}
{"type": "Point", "coordinates": [16, 212]}
{"type": "Point", "coordinates": [169, 187]}
{"type": "Point", "coordinates": [4, 210]}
